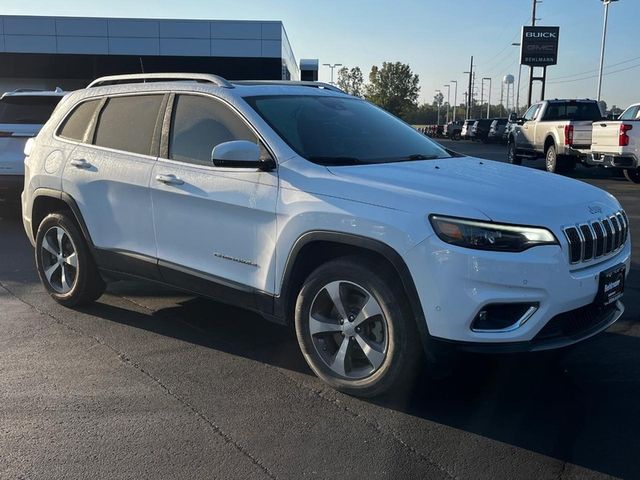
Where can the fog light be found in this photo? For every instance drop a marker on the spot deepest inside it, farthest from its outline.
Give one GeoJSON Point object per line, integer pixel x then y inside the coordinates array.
{"type": "Point", "coordinates": [503, 317]}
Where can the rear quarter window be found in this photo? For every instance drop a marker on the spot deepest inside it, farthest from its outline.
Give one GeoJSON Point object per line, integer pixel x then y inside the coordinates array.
{"type": "Point", "coordinates": [76, 124]}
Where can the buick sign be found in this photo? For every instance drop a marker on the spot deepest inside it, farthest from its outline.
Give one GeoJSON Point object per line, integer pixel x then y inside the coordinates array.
{"type": "Point", "coordinates": [539, 46]}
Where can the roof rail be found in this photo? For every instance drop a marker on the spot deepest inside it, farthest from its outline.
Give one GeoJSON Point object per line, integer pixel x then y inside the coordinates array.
{"type": "Point", "coordinates": [326, 86]}
{"type": "Point", "coordinates": [160, 77]}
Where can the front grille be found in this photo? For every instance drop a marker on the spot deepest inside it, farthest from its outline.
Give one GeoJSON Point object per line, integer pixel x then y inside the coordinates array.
{"type": "Point", "coordinates": [591, 240]}
{"type": "Point", "coordinates": [576, 321]}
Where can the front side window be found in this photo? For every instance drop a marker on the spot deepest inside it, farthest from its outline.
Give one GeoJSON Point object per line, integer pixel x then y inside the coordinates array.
{"type": "Point", "coordinates": [27, 109]}
{"type": "Point", "coordinates": [200, 123]}
{"type": "Point", "coordinates": [332, 130]}
{"type": "Point", "coordinates": [75, 125]}
{"type": "Point", "coordinates": [128, 123]}
{"type": "Point", "coordinates": [531, 113]}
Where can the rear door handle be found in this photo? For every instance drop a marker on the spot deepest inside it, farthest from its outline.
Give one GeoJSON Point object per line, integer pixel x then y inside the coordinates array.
{"type": "Point", "coordinates": [80, 163]}
{"type": "Point", "coordinates": [169, 179]}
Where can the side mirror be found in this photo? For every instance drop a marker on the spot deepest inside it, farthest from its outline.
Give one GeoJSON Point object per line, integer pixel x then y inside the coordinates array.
{"type": "Point", "coordinates": [239, 154]}
{"type": "Point", "coordinates": [513, 117]}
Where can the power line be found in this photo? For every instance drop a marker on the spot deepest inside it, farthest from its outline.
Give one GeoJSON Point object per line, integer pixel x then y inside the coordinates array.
{"type": "Point", "coordinates": [596, 75]}
{"type": "Point", "coordinates": [595, 69]}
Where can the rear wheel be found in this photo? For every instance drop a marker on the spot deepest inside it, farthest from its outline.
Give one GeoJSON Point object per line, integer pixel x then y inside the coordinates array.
{"type": "Point", "coordinates": [633, 175]}
{"type": "Point", "coordinates": [64, 262]}
{"type": "Point", "coordinates": [512, 154]}
{"type": "Point", "coordinates": [354, 328]}
{"type": "Point", "coordinates": [555, 163]}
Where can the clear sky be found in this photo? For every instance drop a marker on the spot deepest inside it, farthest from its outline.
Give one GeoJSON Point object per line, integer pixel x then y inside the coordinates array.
{"type": "Point", "coordinates": [436, 37]}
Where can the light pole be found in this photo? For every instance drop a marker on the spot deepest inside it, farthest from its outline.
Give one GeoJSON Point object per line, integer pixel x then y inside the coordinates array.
{"type": "Point", "coordinates": [517, 44]}
{"type": "Point", "coordinates": [489, 96]}
{"type": "Point", "coordinates": [455, 99]}
{"type": "Point", "coordinates": [332, 66]}
{"type": "Point", "coordinates": [448, 87]}
{"type": "Point", "coordinates": [604, 38]}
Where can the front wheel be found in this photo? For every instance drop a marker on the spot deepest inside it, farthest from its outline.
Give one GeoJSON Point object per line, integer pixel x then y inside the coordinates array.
{"type": "Point", "coordinates": [633, 175]}
{"type": "Point", "coordinates": [512, 154]}
{"type": "Point", "coordinates": [355, 330]}
{"type": "Point", "coordinates": [64, 262]}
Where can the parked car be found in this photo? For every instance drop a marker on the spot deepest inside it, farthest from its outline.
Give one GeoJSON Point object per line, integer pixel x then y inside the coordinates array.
{"type": "Point", "coordinates": [480, 129]}
{"type": "Point", "coordinates": [22, 114]}
{"type": "Point", "coordinates": [453, 130]}
{"type": "Point", "coordinates": [559, 130]}
{"type": "Point", "coordinates": [318, 209]}
{"type": "Point", "coordinates": [616, 144]}
{"type": "Point", "coordinates": [497, 130]}
{"type": "Point", "coordinates": [467, 131]}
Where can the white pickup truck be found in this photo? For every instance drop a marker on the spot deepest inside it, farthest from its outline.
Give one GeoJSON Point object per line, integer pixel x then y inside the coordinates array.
{"type": "Point", "coordinates": [616, 144]}
{"type": "Point", "coordinates": [558, 130]}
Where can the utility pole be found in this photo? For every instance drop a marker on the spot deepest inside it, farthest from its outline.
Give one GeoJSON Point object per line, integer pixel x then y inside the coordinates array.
{"type": "Point", "coordinates": [604, 38]}
{"type": "Point", "coordinates": [488, 96]}
{"type": "Point", "coordinates": [455, 99]}
{"type": "Point", "coordinates": [332, 66]}
{"type": "Point", "coordinates": [470, 94]}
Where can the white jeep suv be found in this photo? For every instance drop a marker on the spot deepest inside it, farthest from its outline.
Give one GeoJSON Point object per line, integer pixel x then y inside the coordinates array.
{"type": "Point", "coordinates": [310, 206]}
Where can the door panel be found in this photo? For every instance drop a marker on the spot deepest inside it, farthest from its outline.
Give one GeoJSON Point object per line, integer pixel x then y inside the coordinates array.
{"type": "Point", "coordinates": [219, 223]}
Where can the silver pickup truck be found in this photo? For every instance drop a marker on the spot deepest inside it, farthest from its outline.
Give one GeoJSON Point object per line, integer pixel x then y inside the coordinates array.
{"type": "Point", "coordinates": [558, 130]}
{"type": "Point", "coordinates": [616, 144]}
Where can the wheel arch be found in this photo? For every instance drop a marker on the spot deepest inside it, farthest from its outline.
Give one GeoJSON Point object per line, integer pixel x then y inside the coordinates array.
{"type": "Point", "coordinates": [46, 201]}
{"type": "Point", "coordinates": [314, 248]}
{"type": "Point", "coordinates": [549, 141]}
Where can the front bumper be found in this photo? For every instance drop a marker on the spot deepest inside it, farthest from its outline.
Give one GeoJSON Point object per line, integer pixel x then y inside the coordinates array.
{"type": "Point", "coordinates": [11, 187]}
{"type": "Point", "coordinates": [455, 284]}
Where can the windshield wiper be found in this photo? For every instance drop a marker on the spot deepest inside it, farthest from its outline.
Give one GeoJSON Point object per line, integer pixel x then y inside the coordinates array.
{"type": "Point", "coordinates": [336, 161]}
{"type": "Point", "coordinates": [416, 156]}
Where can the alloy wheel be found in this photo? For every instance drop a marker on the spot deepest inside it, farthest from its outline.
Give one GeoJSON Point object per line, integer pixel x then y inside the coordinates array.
{"type": "Point", "coordinates": [348, 329]}
{"type": "Point", "coordinates": [59, 259]}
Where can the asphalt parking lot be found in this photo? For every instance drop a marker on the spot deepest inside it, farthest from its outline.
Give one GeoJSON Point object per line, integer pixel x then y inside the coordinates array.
{"type": "Point", "coordinates": [150, 383]}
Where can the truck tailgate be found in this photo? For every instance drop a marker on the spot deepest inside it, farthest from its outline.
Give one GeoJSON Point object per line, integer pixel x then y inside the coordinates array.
{"type": "Point", "coordinates": [582, 134]}
{"type": "Point", "coordinates": [605, 137]}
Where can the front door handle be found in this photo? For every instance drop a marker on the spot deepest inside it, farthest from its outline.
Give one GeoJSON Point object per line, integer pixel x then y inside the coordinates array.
{"type": "Point", "coordinates": [169, 179]}
{"type": "Point", "coordinates": [80, 163]}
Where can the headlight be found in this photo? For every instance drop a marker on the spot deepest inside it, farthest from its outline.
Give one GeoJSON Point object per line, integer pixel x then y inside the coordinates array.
{"type": "Point", "coordinates": [490, 236]}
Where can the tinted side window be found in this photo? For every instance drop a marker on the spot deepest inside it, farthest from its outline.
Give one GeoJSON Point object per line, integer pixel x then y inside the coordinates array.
{"type": "Point", "coordinates": [75, 125]}
{"type": "Point", "coordinates": [199, 124]}
{"type": "Point", "coordinates": [531, 112]}
{"type": "Point", "coordinates": [128, 123]}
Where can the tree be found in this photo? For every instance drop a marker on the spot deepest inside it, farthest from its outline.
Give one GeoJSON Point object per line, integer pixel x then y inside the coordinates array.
{"type": "Point", "coordinates": [393, 87]}
{"type": "Point", "coordinates": [351, 81]}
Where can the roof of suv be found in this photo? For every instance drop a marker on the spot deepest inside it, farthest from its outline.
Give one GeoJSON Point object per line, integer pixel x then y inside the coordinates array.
{"type": "Point", "coordinates": [154, 81]}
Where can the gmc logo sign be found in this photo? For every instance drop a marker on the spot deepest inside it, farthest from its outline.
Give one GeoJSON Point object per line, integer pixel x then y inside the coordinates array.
{"type": "Point", "coordinates": [541, 35]}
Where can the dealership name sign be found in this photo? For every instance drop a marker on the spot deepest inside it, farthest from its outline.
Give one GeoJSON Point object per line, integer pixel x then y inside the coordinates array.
{"type": "Point", "coordinates": [539, 46]}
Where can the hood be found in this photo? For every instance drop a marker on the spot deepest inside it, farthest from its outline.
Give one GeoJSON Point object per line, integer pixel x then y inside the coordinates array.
{"type": "Point", "coordinates": [503, 192]}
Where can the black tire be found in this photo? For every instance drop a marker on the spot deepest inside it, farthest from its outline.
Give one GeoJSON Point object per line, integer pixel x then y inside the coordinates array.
{"type": "Point", "coordinates": [512, 154]}
{"type": "Point", "coordinates": [356, 276]}
{"type": "Point", "coordinates": [456, 136]}
{"type": "Point", "coordinates": [84, 284]}
{"type": "Point", "coordinates": [555, 163]}
{"type": "Point", "coordinates": [633, 175]}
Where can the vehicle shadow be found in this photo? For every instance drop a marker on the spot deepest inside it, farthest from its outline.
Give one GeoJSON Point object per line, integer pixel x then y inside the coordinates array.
{"type": "Point", "coordinates": [581, 406]}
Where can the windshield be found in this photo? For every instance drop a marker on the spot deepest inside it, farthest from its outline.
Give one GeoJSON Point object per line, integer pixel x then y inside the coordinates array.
{"type": "Point", "coordinates": [573, 111]}
{"type": "Point", "coordinates": [27, 109]}
{"type": "Point", "coordinates": [343, 130]}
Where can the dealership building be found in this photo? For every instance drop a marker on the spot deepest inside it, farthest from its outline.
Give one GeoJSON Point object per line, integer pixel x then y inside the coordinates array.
{"type": "Point", "coordinates": [45, 52]}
